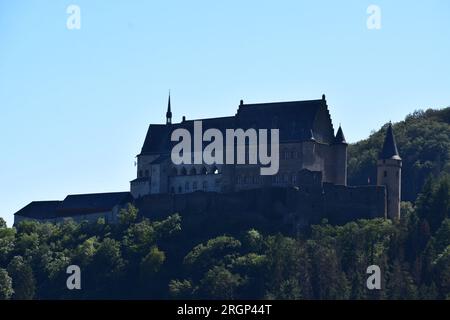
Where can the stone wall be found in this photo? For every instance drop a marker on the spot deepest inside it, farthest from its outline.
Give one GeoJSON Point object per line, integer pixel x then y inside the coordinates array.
{"type": "Point", "coordinates": [298, 206]}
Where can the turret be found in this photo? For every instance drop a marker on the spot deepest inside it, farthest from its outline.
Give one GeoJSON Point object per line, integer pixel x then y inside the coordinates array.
{"type": "Point", "coordinates": [389, 173]}
{"type": "Point", "coordinates": [340, 158]}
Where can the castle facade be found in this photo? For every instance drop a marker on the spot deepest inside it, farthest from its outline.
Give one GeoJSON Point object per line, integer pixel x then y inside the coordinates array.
{"type": "Point", "coordinates": [311, 155]}
{"type": "Point", "coordinates": [311, 182]}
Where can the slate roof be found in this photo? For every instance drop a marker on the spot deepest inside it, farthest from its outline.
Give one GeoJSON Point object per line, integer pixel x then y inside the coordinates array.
{"type": "Point", "coordinates": [389, 150]}
{"type": "Point", "coordinates": [296, 120]}
{"type": "Point", "coordinates": [340, 137]}
{"type": "Point", "coordinates": [40, 209]}
{"type": "Point", "coordinates": [78, 204]}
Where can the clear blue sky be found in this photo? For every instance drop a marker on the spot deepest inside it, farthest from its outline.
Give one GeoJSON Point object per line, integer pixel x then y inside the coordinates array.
{"type": "Point", "coordinates": [75, 104]}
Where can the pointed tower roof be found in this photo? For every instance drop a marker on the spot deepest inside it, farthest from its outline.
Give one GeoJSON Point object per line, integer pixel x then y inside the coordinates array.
{"type": "Point", "coordinates": [340, 136]}
{"type": "Point", "coordinates": [389, 150]}
{"type": "Point", "coordinates": [169, 112]}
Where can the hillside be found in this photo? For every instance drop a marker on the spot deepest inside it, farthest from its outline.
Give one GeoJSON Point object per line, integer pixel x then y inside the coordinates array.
{"type": "Point", "coordinates": [227, 255]}
{"type": "Point", "coordinates": [423, 140]}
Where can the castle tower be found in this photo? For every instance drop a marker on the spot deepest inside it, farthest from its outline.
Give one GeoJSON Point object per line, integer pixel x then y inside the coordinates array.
{"type": "Point", "coordinates": [168, 113]}
{"type": "Point", "coordinates": [340, 157]}
{"type": "Point", "coordinates": [389, 173]}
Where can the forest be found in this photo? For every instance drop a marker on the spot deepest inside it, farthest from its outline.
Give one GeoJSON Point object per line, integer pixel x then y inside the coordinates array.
{"type": "Point", "coordinates": [182, 257]}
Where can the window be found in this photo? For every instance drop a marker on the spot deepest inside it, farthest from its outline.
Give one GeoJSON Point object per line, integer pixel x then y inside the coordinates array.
{"type": "Point", "coordinates": [194, 185]}
{"type": "Point", "coordinates": [205, 185]}
{"type": "Point", "coordinates": [186, 186]}
{"type": "Point", "coordinates": [192, 172]}
{"type": "Point", "coordinates": [180, 189]}
{"type": "Point", "coordinates": [294, 178]}
{"type": "Point", "coordinates": [146, 173]}
{"type": "Point", "coordinates": [183, 171]}
{"type": "Point", "coordinates": [140, 174]}
{"type": "Point", "coordinates": [385, 173]}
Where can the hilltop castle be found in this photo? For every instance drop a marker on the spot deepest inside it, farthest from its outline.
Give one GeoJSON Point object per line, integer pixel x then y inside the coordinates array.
{"type": "Point", "coordinates": [312, 168]}
{"type": "Point", "coordinates": [312, 157]}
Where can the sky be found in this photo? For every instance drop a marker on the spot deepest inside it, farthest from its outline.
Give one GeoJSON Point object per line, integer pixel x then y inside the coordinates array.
{"type": "Point", "coordinates": [75, 104]}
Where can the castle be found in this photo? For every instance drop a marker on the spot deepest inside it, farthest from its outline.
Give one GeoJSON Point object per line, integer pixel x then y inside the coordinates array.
{"type": "Point", "coordinates": [312, 164]}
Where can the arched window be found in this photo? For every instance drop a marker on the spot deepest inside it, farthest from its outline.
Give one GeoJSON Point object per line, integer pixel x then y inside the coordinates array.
{"type": "Point", "coordinates": [174, 171]}
{"type": "Point", "coordinates": [192, 172]}
{"type": "Point", "coordinates": [183, 171]}
{"type": "Point", "coordinates": [179, 189]}
{"type": "Point", "coordinates": [194, 186]}
{"type": "Point", "coordinates": [203, 171]}
{"type": "Point", "coordinates": [140, 174]}
{"type": "Point", "coordinates": [385, 174]}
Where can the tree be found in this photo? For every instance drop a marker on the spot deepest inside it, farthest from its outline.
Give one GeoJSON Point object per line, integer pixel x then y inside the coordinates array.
{"type": "Point", "coordinates": [203, 256]}
{"type": "Point", "coordinates": [128, 215]}
{"type": "Point", "coordinates": [152, 262]}
{"type": "Point", "coordinates": [181, 289]}
{"type": "Point", "coordinates": [286, 272]}
{"type": "Point", "coordinates": [6, 290]}
{"type": "Point", "coordinates": [433, 204]}
{"type": "Point", "coordinates": [219, 283]}
{"type": "Point", "coordinates": [23, 281]}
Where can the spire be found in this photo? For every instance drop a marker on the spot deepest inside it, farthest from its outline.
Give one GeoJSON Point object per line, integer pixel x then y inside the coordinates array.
{"type": "Point", "coordinates": [390, 150]}
{"type": "Point", "coordinates": [169, 112]}
{"type": "Point", "coordinates": [340, 136]}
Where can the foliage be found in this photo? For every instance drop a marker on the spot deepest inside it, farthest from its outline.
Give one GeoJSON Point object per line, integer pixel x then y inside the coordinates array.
{"type": "Point", "coordinates": [423, 140]}
{"type": "Point", "coordinates": [139, 258]}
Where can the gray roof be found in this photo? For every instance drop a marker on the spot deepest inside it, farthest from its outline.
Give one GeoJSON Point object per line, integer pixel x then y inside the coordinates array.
{"type": "Point", "coordinates": [40, 209]}
{"type": "Point", "coordinates": [296, 120]}
{"type": "Point", "coordinates": [72, 205]}
{"type": "Point", "coordinates": [389, 150]}
{"type": "Point", "coordinates": [340, 137]}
